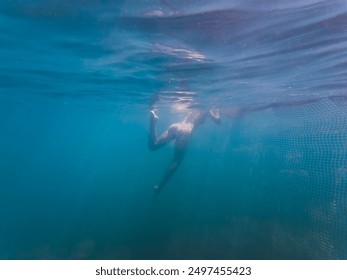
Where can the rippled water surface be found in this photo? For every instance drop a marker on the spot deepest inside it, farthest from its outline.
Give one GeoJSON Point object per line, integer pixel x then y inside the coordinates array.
{"type": "Point", "coordinates": [77, 81]}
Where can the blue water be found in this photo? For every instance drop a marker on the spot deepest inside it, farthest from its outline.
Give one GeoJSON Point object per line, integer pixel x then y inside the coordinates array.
{"type": "Point", "coordinates": [77, 81]}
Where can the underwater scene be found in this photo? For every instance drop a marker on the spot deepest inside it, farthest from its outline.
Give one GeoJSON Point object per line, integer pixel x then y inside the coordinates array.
{"type": "Point", "coordinates": [177, 129]}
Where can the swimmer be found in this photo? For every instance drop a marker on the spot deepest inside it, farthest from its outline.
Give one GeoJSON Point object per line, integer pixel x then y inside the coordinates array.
{"type": "Point", "coordinates": [179, 133]}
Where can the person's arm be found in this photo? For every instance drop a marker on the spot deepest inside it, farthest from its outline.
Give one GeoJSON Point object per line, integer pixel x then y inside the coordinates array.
{"type": "Point", "coordinates": [214, 115]}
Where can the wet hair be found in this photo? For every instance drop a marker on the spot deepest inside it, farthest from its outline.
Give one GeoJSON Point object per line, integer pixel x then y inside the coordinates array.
{"type": "Point", "coordinates": [196, 117]}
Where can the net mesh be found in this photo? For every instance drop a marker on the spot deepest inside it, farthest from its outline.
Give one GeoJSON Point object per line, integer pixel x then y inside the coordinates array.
{"type": "Point", "coordinates": [300, 153]}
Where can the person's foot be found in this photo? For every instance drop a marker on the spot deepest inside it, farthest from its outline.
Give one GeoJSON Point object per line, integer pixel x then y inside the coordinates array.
{"type": "Point", "coordinates": [156, 191]}
{"type": "Point", "coordinates": [156, 188]}
{"type": "Point", "coordinates": [154, 115]}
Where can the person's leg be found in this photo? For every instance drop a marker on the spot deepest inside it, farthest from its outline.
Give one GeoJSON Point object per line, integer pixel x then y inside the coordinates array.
{"type": "Point", "coordinates": [152, 137]}
{"type": "Point", "coordinates": [179, 153]}
{"type": "Point", "coordinates": [154, 142]}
